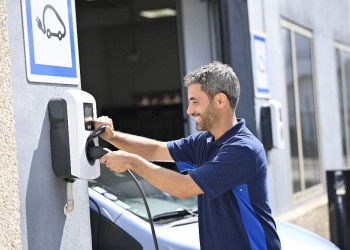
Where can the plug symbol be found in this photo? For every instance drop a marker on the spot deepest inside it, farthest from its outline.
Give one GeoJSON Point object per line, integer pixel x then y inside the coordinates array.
{"type": "Point", "coordinates": [41, 24]}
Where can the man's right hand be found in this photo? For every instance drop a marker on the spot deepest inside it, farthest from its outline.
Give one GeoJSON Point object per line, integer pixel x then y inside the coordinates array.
{"type": "Point", "coordinates": [109, 132]}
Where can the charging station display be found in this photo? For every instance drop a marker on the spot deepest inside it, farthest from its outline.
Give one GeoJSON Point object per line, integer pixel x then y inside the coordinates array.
{"type": "Point", "coordinates": [88, 116]}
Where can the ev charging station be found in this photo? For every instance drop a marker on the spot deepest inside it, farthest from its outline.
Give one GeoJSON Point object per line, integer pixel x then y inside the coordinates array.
{"type": "Point", "coordinates": [272, 125]}
{"type": "Point", "coordinates": [73, 139]}
{"type": "Point", "coordinates": [74, 143]}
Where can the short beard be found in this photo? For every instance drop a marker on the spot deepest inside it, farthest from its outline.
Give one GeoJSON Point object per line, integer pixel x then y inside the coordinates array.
{"type": "Point", "coordinates": [209, 118]}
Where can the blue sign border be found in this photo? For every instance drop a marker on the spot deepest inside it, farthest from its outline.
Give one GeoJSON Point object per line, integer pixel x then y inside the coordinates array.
{"type": "Point", "coordinates": [262, 39]}
{"type": "Point", "coordinates": [50, 70]}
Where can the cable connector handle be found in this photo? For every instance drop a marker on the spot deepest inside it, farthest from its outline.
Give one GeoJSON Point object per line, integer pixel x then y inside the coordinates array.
{"type": "Point", "coordinates": [96, 152]}
{"type": "Point", "coordinates": [97, 132]}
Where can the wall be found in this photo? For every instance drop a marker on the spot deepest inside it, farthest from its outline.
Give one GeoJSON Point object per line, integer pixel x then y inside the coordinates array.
{"type": "Point", "coordinates": [329, 22]}
{"type": "Point", "coordinates": [278, 174]}
{"type": "Point", "coordinates": [10, 237]}
{"type": "Point", "coordinates": [308, 216]}
{"type": "Point", "coordinates": [197, 50]}
{"type": "Point", "coordinates": [237, 53]}
{"type": "Point", "coordinates": [42, 195]}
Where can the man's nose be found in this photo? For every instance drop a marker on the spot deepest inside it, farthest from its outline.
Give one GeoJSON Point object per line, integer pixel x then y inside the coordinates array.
{"type": "Point", "coordinates": [189, 110]}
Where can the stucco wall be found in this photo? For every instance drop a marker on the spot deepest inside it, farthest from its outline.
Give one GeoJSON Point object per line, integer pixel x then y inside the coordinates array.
{"type": "Point", "coordinates": [42, 195]}
{"type": "Point", "coordinates": [10, 237]}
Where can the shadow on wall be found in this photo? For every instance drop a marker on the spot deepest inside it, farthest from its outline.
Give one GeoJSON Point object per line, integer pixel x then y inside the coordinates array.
{"type": "Point", "coordinates": [46, 197]}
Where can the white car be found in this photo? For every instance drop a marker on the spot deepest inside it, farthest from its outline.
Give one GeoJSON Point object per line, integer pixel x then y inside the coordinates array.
{"type": "Point", "coordinates": [119, 218]}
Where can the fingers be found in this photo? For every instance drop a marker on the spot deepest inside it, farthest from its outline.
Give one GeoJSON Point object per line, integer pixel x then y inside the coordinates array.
{"type": "Point", "coordinates": [116, 161]}
{"type": "Point", "coordinates": [109, 132]}
{"type": "Point", "coordinates": [103, 159]}
{"type": "Point", "coordinates": [109, 129]}
{"type": "Point", "coordinates": [110, 160]}
{"type": "Point", "coordinates": [103, 120]}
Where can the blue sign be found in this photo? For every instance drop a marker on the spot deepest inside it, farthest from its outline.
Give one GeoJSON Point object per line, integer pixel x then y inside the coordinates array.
{"type": "Point", "coordinates": [260, 66]}
{"type": "Point", "coordinates": [51, 41]}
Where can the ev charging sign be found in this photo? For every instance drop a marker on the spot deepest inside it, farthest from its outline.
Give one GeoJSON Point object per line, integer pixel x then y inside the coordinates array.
{"type": "Point", "coordinates": [51, 41]}
{"type": "Point", "coordinates": [260, 66]}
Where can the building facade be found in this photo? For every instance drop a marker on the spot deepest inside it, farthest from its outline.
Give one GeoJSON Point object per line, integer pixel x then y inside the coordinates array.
{"type": "Point", "coordinates": [307, 51]}
{"type": "Point", "coordinates": [133, 65]}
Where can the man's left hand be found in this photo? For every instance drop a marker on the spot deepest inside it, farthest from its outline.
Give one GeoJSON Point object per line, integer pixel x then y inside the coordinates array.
{"type": "Point", "coordinates": [118, 161]}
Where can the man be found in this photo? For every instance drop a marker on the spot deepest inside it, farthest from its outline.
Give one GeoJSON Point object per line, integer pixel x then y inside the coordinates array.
{"type": "Point", "coordinates": [228, 164]}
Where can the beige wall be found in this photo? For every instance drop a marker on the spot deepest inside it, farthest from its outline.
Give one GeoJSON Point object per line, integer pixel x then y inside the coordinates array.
{"type": "Point", "coordinates": [10, 236]}
{"type": "Point", "coordinates": [312, 215]}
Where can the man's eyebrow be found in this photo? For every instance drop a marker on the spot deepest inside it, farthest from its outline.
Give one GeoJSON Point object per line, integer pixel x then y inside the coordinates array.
{"type": "Point", "coordinates": [193, 99]}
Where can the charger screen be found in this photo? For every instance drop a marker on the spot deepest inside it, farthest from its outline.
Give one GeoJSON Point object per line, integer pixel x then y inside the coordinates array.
{"type": "Point", "coordinates": [88, 116]}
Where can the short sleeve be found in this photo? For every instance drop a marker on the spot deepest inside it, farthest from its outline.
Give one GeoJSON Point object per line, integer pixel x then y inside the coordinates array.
{"type": "Point", "coordinates": [232, 166]}
{"type": "Point", "coordinates": [186, 150]}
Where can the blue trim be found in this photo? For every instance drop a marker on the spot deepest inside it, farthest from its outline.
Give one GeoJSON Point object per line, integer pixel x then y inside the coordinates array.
{"type": "Point", "coordinates": [252, 224]}
{"type": "Point", "coordinates": [185, 166]}
{"type": "Point", "coordinates": [50, 70]}
{"type": "Point", "coordinates": [261, 90]}
{"type": "Point", "coordinates": [259, 38]}
{"type": "Point", "coordinates": [257, 89]}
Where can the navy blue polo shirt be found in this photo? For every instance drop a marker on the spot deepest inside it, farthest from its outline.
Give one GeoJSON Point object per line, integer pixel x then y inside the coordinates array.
{"type": "Point", "coordinates": [234, 211]}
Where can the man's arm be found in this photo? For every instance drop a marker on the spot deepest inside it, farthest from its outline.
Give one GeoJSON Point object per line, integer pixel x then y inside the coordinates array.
{"type": "Point", "coordinates": [176, 184]}
{"type": "Point", "coordinates": [149, 149]}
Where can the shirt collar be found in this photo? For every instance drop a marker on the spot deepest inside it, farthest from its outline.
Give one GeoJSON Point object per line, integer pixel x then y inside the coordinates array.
{"type": "Point", "coordinates": [229, 133]}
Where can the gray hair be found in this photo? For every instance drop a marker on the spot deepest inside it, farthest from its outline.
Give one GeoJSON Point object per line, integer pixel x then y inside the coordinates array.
{"type": "Point", "coordinates": [216, 78]}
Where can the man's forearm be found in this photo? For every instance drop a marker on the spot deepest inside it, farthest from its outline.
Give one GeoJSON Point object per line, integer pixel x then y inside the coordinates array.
{"type": "Point", "coordinates": [169, 181]}
{"type": "Point", "coordinates": [149, 149]}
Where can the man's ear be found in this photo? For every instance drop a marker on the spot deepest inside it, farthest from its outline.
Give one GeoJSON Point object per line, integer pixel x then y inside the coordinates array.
{"type": "Point", "coordinates": [221, 100]}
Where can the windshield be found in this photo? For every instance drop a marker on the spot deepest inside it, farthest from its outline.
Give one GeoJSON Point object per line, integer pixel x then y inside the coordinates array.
{"type": "Point", "coordinates": [121, 189]}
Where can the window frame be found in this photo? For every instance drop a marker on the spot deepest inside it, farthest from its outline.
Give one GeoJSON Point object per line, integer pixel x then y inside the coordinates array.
{"type": "Point", "coordinates": [344, 48]}
{"type": "Point", "coordinates": [318, 188]}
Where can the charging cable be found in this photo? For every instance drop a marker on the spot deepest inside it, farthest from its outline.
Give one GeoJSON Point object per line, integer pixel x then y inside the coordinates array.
{"type": "Point", "coordinates": [96, 152]}
{"type": "Point", "coordinates": [147, 208]}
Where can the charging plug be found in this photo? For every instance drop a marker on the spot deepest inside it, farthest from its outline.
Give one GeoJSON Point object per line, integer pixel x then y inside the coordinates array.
{"type": "Point", "coordinates": [96, 152]}
{"type": "Point", "coordinates": [97, 132]}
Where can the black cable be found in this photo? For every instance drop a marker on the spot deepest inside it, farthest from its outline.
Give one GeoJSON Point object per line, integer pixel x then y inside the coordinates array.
{"type": "Point", "coordinates": [147, 208]}
{"type": "Point", "coordinates": [96, 152]}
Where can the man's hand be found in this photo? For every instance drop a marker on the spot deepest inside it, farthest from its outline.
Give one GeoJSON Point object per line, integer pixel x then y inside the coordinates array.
{"type": "Point", "coordinates": [174, 183]}
{"type": "Point", "coordinates": [109, 132]}
{"type": "Point", "coordinates": [148, 149]}
{"type": "Point", "coordinates": [118, 161]}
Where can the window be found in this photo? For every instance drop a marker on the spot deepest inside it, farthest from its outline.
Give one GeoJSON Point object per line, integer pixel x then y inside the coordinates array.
{"type": "Point", "coordinates": [304, 150]}
{"type": "Point", "coordinates": [343, 73]}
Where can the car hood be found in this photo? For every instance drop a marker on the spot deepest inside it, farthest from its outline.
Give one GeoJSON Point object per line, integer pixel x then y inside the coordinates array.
{"type": "Point", "coordinates": [186, 232]}
{"type": "Point", "coordinates": [293, 237]}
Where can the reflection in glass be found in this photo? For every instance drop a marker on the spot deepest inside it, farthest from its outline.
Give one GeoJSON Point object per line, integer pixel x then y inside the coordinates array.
{"type": "Point", "coordinates": [291, 112]}
{"type": "Point", "coordinates": [121, 189]}
{"type": "Point", "coordinates": [341, 105]}
{"type": "Point", "coordinates": [346, 58]}
{"type": "Point", "coordinates": [307, 111]}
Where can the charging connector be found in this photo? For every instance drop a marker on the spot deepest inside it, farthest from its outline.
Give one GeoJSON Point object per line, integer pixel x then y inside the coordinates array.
{"type": "Point", "coordinates": [96, 152]}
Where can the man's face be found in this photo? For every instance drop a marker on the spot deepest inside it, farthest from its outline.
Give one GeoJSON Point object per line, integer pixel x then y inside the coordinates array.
{"type": "Point", "coordinates": [201, 108]}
